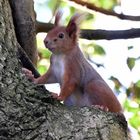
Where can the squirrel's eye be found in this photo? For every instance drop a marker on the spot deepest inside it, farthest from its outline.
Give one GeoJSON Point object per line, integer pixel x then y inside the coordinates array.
{"type": "Point", "coordinates": [61, 35]}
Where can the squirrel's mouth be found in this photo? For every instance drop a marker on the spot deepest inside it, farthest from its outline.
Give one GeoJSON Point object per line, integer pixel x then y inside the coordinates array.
{"type": "Point", "coordinates": [51, 49]}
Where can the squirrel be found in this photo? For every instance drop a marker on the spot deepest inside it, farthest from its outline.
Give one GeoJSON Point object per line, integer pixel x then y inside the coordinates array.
{"type": "Point", "coordinates": [80, 83]}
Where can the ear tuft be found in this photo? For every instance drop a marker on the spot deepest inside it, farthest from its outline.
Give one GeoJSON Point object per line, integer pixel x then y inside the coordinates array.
{"type": "Point", "coordinates": [73, 25]}
{"type": "Point", "coordinates": [58, 16]}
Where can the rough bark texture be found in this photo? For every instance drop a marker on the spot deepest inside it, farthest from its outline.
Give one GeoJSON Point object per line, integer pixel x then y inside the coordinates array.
{"type": "Point", "coordinates": [24, 21]}
{"type": "Point", "coordinates": [28, 113]}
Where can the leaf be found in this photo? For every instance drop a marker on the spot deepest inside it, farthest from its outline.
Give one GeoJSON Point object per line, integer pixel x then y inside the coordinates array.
{"type": "Point", "coordinates": [137, 89]}
{"type": "Point", "coordinates": [117, 83]}
{"type": "Point", "coordinates": [129, 91]}
{"type": "Point", "coordinates": [138, 83]}
{"type": "Point", "coordinates": [95, 49]}
{"type": "Point", "coordinates": [42, 69]}
{"type": "Point", "coordinates": [106, 4]}
{"type": "Point", "coordinates": [51, 4]}
{"type": "Point", "coordinates": [89, 17]}
{"type": "Point", "coordinates": [72, 10]}
{"type": "Point", "coordinates": [134, 90]}
{"type": "Point", "coordinates": [45, 53]}
{"type": "Point", "coordinates": [130, 47]}
{"type": "Point", "coordinates": [131, 62]}
{"type": "Point", "coordinates": [99, 50]}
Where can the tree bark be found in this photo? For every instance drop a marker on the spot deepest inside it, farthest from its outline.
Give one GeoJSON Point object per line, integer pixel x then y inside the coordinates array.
{"type": "Point", "coordinates": [27, 112]}
{"type": "Point", "coordinates": [24, 19]}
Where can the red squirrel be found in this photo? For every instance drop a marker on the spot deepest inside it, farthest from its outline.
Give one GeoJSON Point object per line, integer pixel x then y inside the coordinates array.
{"type": "Point", "coordinates": [80, 83]}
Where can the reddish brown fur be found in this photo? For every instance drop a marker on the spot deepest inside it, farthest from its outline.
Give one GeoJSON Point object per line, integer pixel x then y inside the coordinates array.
{"type": "Point", "coordinates": [80, 84]}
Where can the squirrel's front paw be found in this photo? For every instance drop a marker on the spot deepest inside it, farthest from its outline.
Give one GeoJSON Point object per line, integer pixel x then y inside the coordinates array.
{"type": "Point", "coordinates": [104, 108]}
{"type": "Point", "coordinates": [58, 97]}
{"type": "Point", "coordinates": [28, 74]}
{"type": "Point", "coordinates": [54, 95]}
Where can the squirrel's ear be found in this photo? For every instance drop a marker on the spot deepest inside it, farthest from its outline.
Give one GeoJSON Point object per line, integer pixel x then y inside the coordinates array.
{"type": "Point", "coordinates": [73, 25]}
{"type": "Point", "coordinates": [72, 28]}
{"type": "Point", "coordinates": [58, 16]}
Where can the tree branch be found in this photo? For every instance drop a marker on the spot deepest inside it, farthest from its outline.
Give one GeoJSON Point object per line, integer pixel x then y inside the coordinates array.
{"type": "Point", "coordinates": [96, 34]}
{"type": "Point", "coordinates": [43, 27]}
{"type": "Point", "coordinates": [104, 11]}
{"type": "Point", "coordinates": [26, 62]}
{"type": "Point", "coordinates": [109, 35]}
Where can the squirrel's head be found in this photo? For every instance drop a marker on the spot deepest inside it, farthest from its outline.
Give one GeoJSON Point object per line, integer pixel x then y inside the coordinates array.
{"type": "Point", "coordinates": [62, 39]}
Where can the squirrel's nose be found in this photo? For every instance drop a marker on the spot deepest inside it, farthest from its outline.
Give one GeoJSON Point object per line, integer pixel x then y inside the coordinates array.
{"type": "Point", "coordinates": [46, 42]}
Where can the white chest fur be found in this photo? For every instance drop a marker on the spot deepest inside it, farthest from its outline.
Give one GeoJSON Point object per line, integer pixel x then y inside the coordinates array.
{"type": "Point", "coordinates": [58, 67]}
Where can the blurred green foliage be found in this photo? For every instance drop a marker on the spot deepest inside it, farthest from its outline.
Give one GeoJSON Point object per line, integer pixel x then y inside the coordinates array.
{"type": "Point", "coordinates": [106, 4]}
{"type": "Point", "coordinates": [44, 55]}
{"type": "Point", "coordinates": [131, 62]}
{"type": "Point", "coordinates": [132, 102]}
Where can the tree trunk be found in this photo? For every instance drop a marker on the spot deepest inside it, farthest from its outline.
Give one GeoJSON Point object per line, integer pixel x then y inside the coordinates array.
{"type": "Point", "coordinates": [27, 112]}
{"type": "Point", "coordinates": [24, 21]}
